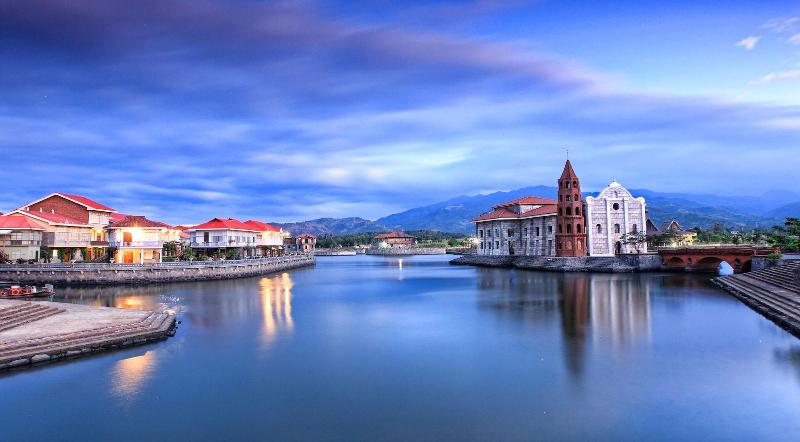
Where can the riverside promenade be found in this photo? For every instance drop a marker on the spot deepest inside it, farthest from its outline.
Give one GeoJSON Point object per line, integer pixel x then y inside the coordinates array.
{"type": "Point", "coordinates": [33, 333]}
{"type": "Point", "coordinates": [112, 274]}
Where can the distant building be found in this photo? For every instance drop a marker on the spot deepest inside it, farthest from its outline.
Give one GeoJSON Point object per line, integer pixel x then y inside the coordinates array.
{"type": "Point", "coordinates": [304, 243]}
{"type": "Point", "coordinates": [570, 237]}
{"type": "Point", "coordinates": [393, 239]}
{"type": "Point", "coordinates": [74, 225]}
{"type": "Point", "coordinates": [20, 237]}
{"type": "Point", "coordinates": [672, 234]}
{"type": "Point", "coordinates": [270, 241]}
{"type": "Point", "coordinates": [610, 216]}
{"type": "Point", "coordinates": [218, 235]}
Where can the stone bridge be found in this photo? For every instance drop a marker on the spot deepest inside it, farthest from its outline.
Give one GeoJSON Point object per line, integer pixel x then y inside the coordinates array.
{"type": "Point", "coordinates": [708, 259]}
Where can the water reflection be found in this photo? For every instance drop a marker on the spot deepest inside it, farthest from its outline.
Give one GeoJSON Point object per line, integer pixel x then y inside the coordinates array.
{"type": "Point", "coordinates": [132, 298]}
{"type": "Point", "coordinates": [604, 310]}
{"type": "Point", "coordinates": [131, 374]}
{"type": "Point", "coordinates": [276, 304]}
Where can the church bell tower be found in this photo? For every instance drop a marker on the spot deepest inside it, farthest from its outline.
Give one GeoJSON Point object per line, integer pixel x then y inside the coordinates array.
{"type": "Point", "coordinates": [570, 228]}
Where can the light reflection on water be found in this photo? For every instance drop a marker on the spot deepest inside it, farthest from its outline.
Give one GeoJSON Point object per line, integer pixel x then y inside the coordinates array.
{"type": "Point", "coordinates": [367, 348]}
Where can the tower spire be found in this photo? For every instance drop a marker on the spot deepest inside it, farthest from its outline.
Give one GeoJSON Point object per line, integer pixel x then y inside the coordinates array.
{"type": "Point", "coordinates": [571, 231]}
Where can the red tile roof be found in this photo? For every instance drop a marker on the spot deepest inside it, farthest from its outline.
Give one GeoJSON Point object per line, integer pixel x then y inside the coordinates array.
{"type": "Point", "coordinates": [52, 218]}
{"type": "Point", "coordinates": [528, 200]}
{"type": "Point", "coordinates": [19, 222]}
{"type": "Point", "coordinates": [87, 202]}
{"type": "Point", "coordinates": [114, 217]}
{"type": "Point", "coordinates": [224, 224]}
{"type": "Point", "coordinates": [263, 227]}
{"type": "Point", "coordinates": [393, 234]}
{"type": "Point", "coordinates": [502, 213]}
{"type": "Point", "coordinates": [138, 221]}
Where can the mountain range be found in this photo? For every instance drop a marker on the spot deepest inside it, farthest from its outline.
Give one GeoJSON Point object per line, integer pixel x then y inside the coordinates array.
{"type": "Point", "coordinates": [690, 210]}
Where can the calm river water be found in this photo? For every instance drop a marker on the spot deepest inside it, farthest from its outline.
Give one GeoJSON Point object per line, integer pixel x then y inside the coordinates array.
{"type": "Point", "coordinates": [371, 348]}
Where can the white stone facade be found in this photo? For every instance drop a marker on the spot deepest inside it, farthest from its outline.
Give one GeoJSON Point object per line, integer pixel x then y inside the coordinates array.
{"type": "Point", "coordinates": [609, 217]}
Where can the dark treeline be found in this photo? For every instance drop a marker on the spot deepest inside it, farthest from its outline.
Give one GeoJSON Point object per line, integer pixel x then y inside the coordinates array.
{"type": "Point", "coordinates": [422, 237]}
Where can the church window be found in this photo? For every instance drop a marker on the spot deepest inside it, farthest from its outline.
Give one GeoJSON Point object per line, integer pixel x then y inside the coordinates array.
{"type": "Point", "coordinates": [567, 184]}
{"type": "Point", "coordinates": [616, 228]}
{"type": "Point", "coordinates": [480, 233]}
{"type": "Point", "coordinates": [496, 232]}
{"type": "Point", "coordinates": [635, 228]}
{"type": "Point", "coordinates": [577, 197]}
{"type": "Point", "coordinates": [559, 245]}
{"type": "Point", "coordinates": [574, 184]}
{"type": "Point", "coordinates": [577, 211]}
{"type": "Point", "coordinates": [537, 231]}
{"type": "Point", "coordinates": [599, 228]}
{"type": "Point", "coordinates": [578, 228]}
{"type": "Point", "coordinates": [616, 206]}
{"type": "Point", "coordinates": [510, 232]}
{"type": "Point", "coordinates": [549, 229]}
{"type": "Point", "coordinates": [569, 228]}
{"type": "Point", "coordinates": [569, 210]}
{"type": "Point", "coordinates": [560, 228]}
{"type": "Point", "coordinates": [497, 244]}
{"type": "Point", "coordinates": [569, 197]}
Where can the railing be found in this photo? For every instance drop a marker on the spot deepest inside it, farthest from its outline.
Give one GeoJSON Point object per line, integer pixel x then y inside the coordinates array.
{"type": "Point", "coordinates": [67, 243]}
{"type": "Point", "coordinates": [98, 243]}
{"type": "Point", "coordinates": [160, 265]}
{"type": "Point", "coordinates": [20, 242]}
{"type": "Point", "coordinates": [142, 244]}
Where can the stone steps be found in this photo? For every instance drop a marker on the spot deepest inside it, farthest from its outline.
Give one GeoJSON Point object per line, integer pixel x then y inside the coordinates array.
{"type": "Point", "coordinates": [25, 313]}
{"type": "Point", "coordinates": [768, 293]}
{"type": "Point", "coordinates": [155, 326]}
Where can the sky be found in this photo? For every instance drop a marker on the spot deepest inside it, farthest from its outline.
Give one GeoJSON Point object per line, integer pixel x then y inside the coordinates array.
{"type": "Point", "coordinates": [183, 110]}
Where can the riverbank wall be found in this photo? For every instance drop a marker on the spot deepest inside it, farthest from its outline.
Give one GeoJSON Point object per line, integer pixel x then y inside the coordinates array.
{"type": "Point", "coordinates": [762, 262]}
{"type": "Point", "coordinates": [406, 251]}
{"type": "Point", "coordinates": [121, 274]}
{"type": "Point", "coordinates": [328, 252]}
{"type": "Point", "coordinates": [604, 264]}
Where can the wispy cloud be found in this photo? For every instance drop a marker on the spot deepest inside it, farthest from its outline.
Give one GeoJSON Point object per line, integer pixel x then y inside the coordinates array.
{"type": "Point", "coordinates": [782, 25]}
{"type": "Point", "coordinates": [777, 76]}
{"type": "Point", "coordinates": [749, 43]}
{"type": "Point", "coordinates": [794, 39]}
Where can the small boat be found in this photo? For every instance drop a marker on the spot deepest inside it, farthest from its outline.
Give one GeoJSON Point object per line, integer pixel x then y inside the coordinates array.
{"type": "Point", "coordinates": [27, 291]}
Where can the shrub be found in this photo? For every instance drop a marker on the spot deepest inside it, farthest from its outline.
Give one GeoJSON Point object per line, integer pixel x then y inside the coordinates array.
{"type": "Point", "coordinates": [774, 256]}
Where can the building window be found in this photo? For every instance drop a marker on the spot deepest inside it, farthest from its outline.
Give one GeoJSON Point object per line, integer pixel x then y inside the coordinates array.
{"type": "Point", "coordinates": [616, 228]}
{"type": "Point", "coordinates": [567, 184]}
{"type": "Point", "coordinates": [574, 184]}
{"type": "Point", "coordinates": [549, 229]}
{"type": "Point", "coordinates": [578, 228]}
{"type": "Point", "coordinates": [497, 244]}
{"type": "Point", "coordinates": [569, 197]}
{"type": "Point", "coordinates": [569, 211]}
{"type": "Point", "coordinates": [635, 229]}
{"type": "Point", "coordinates": [537, 231]}
{"type": "Point", "coordinates": [525, 231]}
{"type": "Point", "coordinates": [577, 211]}
{"type": "Point", "coordinates": [616, 206]}
{"type": "Point", "coordinates": [577, 197]}
{"type": "Point", "coordinates": [599, 228]}
{"type": "Point", "coordinates": [560, 228]}
{"type": "Point", "coordinates": [480, 233]}
{"type": "Point", "coordinates": [510, 232]}
{"type": "Point", "coordinates": [569, 228]}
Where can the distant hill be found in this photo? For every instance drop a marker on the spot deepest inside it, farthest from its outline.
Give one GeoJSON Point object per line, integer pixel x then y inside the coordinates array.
{"type": "Point", "coordinates": [333, 226]}
{"type": "Point", "coordinates": [454, 215]}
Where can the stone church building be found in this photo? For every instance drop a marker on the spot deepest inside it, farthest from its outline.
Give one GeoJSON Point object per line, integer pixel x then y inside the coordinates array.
{"type": "Point", "coordinates": [534, 226]}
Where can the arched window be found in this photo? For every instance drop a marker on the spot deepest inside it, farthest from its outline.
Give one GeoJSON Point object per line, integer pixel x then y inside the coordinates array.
{"type": "Point", "coordinates": [577, 211]}
{"type": "Point", "coordinates": [616, 228]}
{"type": "Point", "coordinates": [577, 197]}
{"type": "Point", "coordinates": [569, 228]}
{"type": "Point", "coordinates": [566, 184]}
{"type": "Point", "coordinates": [574, 184]}
{"type": "Point", "coordinates": [560, 228]}
{"type": "Point", "coordinates": [578, 228]}
{"type": "Point", "coordinates": [569, 210]}
{"type": "Point", "coordinates": [635, 229]}
{"type": "Point", "coordinates": [599, 228]}
{"type": "Point", "coordinates": [569, 197]}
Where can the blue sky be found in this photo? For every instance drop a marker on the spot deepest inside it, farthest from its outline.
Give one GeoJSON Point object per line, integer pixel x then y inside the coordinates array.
{"type": "Point", "coordinates": [184, 110]}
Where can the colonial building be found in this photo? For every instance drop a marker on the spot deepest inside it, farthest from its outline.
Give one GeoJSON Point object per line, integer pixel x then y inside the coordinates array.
{"type": "Point", "coordinates": [270, 241]}
{"type": "Point", "coordinates": [671, 234]}
{"type": "Point", "coordinates": [612, 215]}
{"type": "Point", "coordinates": [534, 226]}
{"type": "Point", "coordinates": [304, 243]}
{"type": "Point", "coordinates": [20, 237]}
{"type": "Point", "coordinates": [138, 240]}
{"type": "Point", "coordinates": [218, 235]}
{"type": "Point", "coordinates": [74, 225]}
{"type": "Point", "coordinates": [525, 226]}
{"type": "Point", "coordinates": [393, 239]}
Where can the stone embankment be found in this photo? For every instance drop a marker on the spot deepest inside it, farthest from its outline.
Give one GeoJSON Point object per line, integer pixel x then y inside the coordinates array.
{"type": "Point", "coordinates": [772, 292]}
{"type": "Point", "coordinates": [330, 252]}
{"type": "Point", "coordinates": [406, 251]}
{"type": "Point", "coordinates": [111, 274]}
{"type": "Point", "coordinates": [39, 332]}
{"type": "Point", "coordinates": [606, 264]}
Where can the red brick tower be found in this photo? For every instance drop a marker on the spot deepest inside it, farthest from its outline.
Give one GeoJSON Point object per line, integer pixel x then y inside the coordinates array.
{"type": "Point", "coordinates": [570, 230]}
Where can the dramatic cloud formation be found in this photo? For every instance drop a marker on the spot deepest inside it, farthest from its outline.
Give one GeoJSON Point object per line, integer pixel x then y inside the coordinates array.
{"type": "Point", "coordinates": [184, 110]}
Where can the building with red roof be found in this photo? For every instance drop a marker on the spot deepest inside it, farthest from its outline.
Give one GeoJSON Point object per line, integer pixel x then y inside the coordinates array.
{"type": "Point", "coordinates": [74, 225]}
{"type": "Point", "coordinates": [393, 239]}
{"type": "Point", "coordinates": [303, 243]}
{"type": "Point", "coordinates": [138, 240]}
{"type": "Point", "coordinates": [225, 237]}
{"type": "Point", "coordinates": [20, 237]}
{"type": "Point", "coordinates": [271, 240]}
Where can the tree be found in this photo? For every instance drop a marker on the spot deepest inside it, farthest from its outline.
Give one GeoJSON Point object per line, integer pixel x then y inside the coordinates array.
{"type": "Point", "coordinates": [787, 236]}
{"type": "Point", "coordinates": [4, 257]}
{"type": "Point", "coordinates": [170, 248]}
{"type": "Point", "coordinates": [634, 239]}
{"type": "Point", "coordinates": [187, 254]}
